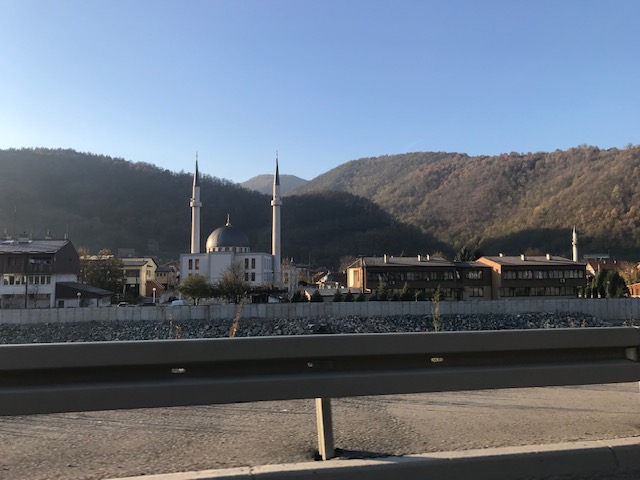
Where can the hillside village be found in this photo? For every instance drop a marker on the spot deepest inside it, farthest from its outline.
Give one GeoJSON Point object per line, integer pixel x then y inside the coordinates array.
{"type": "Point", "coordinates": [52, 273]}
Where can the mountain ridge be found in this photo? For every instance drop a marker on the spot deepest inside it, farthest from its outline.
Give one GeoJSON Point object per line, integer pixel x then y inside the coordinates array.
{"type": "Point", "coordinates": [105, 202]}
{"type": "Point", "coordinates": [414, 203]}
{"type": "Point", "coordinates": [487, 200]}
{"type": "Point", "coordinates": [264, 183]}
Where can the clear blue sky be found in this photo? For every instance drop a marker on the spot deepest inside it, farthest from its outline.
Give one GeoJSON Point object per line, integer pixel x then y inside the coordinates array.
{"type": "Point", "coordinates": [323, 82]}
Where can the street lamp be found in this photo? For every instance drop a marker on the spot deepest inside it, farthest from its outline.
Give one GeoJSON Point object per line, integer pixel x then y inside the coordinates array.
{"type": "Point", "coordinates": [79, 295]}
{"type": "Point", "coordinates": [154, 294]}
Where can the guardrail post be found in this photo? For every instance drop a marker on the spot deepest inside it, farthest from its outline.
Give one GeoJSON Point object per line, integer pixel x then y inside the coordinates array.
{"type": "Point", "coordinates": [325, 428]}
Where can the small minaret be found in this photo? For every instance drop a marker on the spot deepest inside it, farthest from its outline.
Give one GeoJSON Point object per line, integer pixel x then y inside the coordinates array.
{"type": "Point", "coordinates": [276, 203]}
{"type": "Point", "coordinates": [195, 211]}
{"type": "Point", "coordinates": [574, 244]}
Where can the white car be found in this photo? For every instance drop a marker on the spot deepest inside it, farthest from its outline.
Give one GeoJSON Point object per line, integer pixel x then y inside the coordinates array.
{"type": "Point", "coordinates": [179, 303]}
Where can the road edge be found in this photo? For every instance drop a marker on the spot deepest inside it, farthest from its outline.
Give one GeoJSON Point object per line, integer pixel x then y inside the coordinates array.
{"type": "Point", "coordinates": [504, 463]}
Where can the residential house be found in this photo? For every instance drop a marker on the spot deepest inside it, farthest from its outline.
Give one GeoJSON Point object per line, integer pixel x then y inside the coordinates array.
{"type": "Point", "coordinates": [31, 271]}
{"type": "Point", "coordinates": [167, 276]}
{"type": "Point", "coordinates": [140, 277]}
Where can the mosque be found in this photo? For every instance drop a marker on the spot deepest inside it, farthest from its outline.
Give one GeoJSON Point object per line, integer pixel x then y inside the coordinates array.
{"type": "Point", "coordinates": [228, 245]}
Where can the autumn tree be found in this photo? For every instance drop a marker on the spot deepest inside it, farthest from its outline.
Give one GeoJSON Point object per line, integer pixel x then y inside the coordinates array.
{"type": "Point", "coordinates": [610, 283]}
{"type": "Point", "coordinates": [382, 292]}
{"type": "Point", "coordinates": [407, 293]}
{"type": "Point", "coordinates": [466, 254]}
{"type": "Point", "coordinates": [232, 285]}
{"type": "Point", "coordinates": [103, 270]}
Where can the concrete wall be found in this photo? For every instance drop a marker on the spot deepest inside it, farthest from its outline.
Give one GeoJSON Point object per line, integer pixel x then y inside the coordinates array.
{"type": "Point", "coordinates": [604, 309]}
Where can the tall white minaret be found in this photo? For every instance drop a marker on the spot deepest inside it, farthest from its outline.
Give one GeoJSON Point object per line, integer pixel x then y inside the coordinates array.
{"type": "Point", "coordinates": [276, 203]}
{"type": "Point", "coordinates": [574, 244]}
{"type": "Point", "coordinates": [195, 211]}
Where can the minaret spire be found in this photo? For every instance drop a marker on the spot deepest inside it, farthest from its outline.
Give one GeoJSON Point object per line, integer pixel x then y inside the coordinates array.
{"type": "Point", "coordinates": [574, 244]}
{"type": "Point", "coordinates": [195, 211]}
{"type": "Point", "coordinates": [276, 203]}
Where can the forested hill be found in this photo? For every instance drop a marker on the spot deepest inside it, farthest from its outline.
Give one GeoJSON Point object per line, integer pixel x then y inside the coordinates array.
{"type": "Point", "coordinates": [105, 202]}
{"type": "Point", "coordinates": [411, 203]}
{"type": "Point", "coordinates": [508, 203]}
{"type": "Point", "coordinates": [264, 183]}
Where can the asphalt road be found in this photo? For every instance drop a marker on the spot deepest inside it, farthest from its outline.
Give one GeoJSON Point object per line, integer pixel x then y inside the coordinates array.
{"type": "Point", "coordinates": [108, 444]}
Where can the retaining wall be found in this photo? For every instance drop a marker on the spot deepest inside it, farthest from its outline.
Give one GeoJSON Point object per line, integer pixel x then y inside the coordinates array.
{"type": "Point", "coordinates": [616, 309]}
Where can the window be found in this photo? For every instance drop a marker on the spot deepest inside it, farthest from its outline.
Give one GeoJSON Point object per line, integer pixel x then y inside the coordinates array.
{"type": "Point", "coordinates": [509, 275]}
{"type": "Point", "coordinates": [246, 264]}
{"type": "Point", "coordinates": [246, 276]}
{"type": "Point", "coordinates": [197, 264]}
{"type": "Point", "coordinates": [253, 276]}
{"type": "Point", "coordinates": [448, 275]}
{"type": "Point", "coordinates": [574, 274]}
{"type": "Point", "coordinates": [474, 275]}
{"type": "Point", "coordinates": [40, 280]}
{"type": "Point", "coordinates": [253, 263]}
{"type": "Point", "coordinates": [476, 292]}
{"type": "Point", "coordinates": [190, 265]}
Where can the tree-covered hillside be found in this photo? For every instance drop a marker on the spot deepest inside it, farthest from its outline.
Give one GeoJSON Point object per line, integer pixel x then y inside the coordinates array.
{"type": "Point", "coordinates": [104, 202]}
{"type": "Point", "coordinates": [511, 202]}
{"type": "Point", "coordinates": [264, 183]}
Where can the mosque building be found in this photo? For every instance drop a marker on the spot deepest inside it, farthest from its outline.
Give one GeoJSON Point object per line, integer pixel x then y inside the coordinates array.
{"type": "Point", "coordinates": [228, 245]}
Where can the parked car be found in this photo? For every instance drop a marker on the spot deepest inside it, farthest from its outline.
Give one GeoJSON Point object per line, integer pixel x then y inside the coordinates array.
{"type": "Point", "coordinates": [180, 303]}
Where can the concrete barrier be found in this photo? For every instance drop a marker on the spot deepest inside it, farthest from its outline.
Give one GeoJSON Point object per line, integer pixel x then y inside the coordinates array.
{"type": "Point", "coordinates": [611, 309]}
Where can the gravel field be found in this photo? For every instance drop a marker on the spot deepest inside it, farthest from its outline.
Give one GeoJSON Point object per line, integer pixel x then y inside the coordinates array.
{"type": "Point", "coordinates": [97, 331]}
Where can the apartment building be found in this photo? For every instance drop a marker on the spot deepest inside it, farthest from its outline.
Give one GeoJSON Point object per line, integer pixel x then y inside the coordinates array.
{"type": "Point", "coordinates": [535, 276]}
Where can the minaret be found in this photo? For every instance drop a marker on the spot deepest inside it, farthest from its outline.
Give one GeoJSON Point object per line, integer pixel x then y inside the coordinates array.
{"type": "Point", "coordinates": [574, 244]}
{"type": "Point", "coordinates": [195, 211]}
{"type": "Point", "coordinates": [276, 203]}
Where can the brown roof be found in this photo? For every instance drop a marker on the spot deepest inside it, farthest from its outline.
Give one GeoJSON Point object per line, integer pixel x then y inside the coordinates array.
{"type": "Point", "coordinates": [531, 260]}
{"type": "Point", "coordinates": [417, 261]}
{"type": "Point", "coordinates": [32, 246]}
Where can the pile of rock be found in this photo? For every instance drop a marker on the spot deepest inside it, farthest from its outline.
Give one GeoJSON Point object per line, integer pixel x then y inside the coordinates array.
{"type": "Point", "coordinates": [108, 331]}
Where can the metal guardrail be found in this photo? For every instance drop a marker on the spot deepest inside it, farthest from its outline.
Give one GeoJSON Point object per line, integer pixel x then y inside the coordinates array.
{"type": "Point", "coordinates": [70, 377]}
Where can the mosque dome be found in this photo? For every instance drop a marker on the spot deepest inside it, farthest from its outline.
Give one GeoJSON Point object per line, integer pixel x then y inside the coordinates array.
{"type": "Point", "coordinates": [227, 239]}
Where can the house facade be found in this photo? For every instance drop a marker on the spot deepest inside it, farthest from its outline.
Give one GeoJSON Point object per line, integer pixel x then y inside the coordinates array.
{"type": "Point", "coordinates": [526, 276]}
{"type": "Point", "coordinates": [167, 276]}
{"type": "Point", "coordinates": [422, 273]}
{"type": "Point", "coordinates": [140, 276]}
{"type": "Point", "coordinates": [31, 270]}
